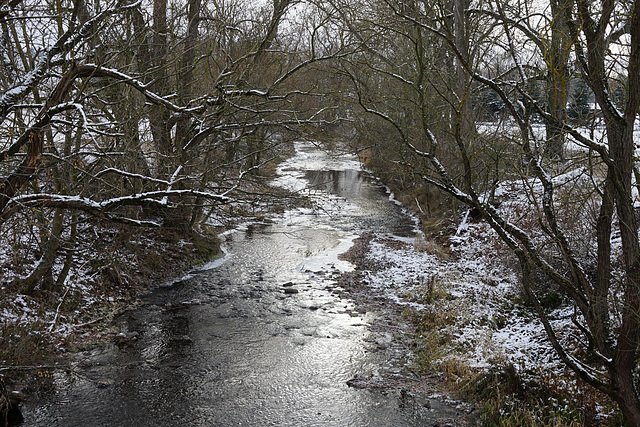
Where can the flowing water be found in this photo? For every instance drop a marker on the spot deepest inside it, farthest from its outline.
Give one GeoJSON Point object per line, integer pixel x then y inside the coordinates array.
{"type": "Point", "coordinates": [234, 344]}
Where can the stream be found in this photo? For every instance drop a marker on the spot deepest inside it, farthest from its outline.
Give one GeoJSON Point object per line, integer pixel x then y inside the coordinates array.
{"type": "Point", "coordinates": [259, 337]}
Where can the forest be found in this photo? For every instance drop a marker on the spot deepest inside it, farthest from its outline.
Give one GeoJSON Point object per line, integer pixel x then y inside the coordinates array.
{"type": "Point", "coordinates": [132, 133]}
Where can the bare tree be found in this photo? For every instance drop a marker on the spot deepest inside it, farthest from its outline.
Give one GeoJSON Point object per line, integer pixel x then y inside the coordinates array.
{"type": "Point", "coordinates": [147, 118]}
{"type": "Point", "coordinates": [606, 43]}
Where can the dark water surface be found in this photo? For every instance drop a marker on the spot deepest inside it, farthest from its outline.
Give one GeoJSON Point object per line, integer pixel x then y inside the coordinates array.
{"type": "Point", "coordinates": [228, 347]}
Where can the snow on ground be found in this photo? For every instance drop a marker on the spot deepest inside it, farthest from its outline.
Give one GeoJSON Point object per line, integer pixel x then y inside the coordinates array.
{"type": "Point", "coordinates": [30, 314]}
{"type": "Point", "coordinates": [473, 314]}
{"type": "Point", "coordinates": [478, 288]}
{"type": "Point", "coordinates": [508, 127]}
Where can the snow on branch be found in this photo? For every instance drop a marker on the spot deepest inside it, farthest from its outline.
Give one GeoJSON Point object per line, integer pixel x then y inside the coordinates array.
{"type": "Point", "coordinates": [51, 109]}
{"type": "Point", "coordinates": [131, 175]}
{"type": "Point", "coordinates": [94, 70]}
{"type": "Point", "coordinates": [172, 181]}
{"type": "Point", "coordinates": [249, 92]}
{"type": "Point", "coordinates": [103, 209]}
{"type": "Point", "coordinates": [44, 60]}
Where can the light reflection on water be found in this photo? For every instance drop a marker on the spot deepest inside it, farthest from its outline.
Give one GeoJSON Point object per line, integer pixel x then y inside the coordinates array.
{"type": "Point", "coordinates": [228, 347]}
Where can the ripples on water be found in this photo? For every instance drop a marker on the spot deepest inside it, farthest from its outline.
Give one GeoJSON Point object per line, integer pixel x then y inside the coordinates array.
{"type": "Point", "coordinates": [227, 346]}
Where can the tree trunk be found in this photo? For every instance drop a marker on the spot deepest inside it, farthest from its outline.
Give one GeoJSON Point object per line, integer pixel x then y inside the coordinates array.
{"type": "Point", "coordinates": [187, 65]}
{"type": "Point", "coordinates": [43, 269]}
{"type": "Point", "coordinates": [557, 79]}
{"type": "Point", "coordinates": [598, 317]}
{"type": "Point", "coordinates": [9, 188]}
{"type": "Point", "coordinates": [158, 115]}
{"type": "Point", "coordinates": [68, 259]}
{"type": "Point", "coordinates": [461, 82]}
{"type": "Point", "coordinates": [621, 145]}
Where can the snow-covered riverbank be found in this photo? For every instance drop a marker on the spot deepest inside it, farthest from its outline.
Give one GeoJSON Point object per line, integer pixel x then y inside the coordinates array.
{"type": "Point", "coordinates": [471, 318]}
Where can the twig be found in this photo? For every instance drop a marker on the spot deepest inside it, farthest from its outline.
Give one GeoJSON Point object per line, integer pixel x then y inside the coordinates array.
{"type": "Point", "coordinates": [55, 318]}
{"type": "Point", "coordinates": [91, 322]}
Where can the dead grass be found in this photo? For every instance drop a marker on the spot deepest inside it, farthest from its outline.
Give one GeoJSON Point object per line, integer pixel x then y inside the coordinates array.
{"type": "Point", "coordinates": [505, 396]}
{"type": "Point", "coordinates": [431, 246]}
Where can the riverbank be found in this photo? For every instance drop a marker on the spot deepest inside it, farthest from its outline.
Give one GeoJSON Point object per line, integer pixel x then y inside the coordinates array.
{"type": "Point", "coordinates": [394, 333]}
{"type": "Point", "coordinates": [111, 267]}
{"type": "Point", "coordinates": [40, 328]}
{"type": "Point", "coordinates": [458, 313]}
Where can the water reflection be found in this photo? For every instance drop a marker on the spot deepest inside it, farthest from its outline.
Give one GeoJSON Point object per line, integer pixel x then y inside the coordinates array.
{"type": "Point", "coordinates": [368, 207]}
{"type": "Point", "coordinates": [236, 346]}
